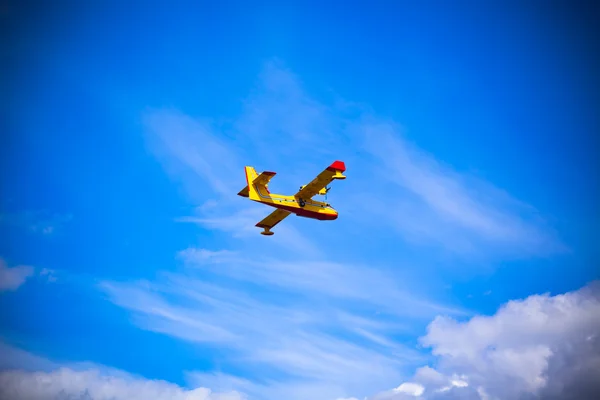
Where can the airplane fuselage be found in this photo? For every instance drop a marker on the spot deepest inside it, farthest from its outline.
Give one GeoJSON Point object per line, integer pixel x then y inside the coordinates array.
{"type": "Point", "coordinates": [311, 209]}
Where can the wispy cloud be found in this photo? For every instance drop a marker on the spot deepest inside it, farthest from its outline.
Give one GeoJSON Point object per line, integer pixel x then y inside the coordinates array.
{"type": "Point", "coordinates": [11, 278]}
{"type": "Point", "coordinates": [458, 211]}
{"type": "Point", "coordinates": [392, 183]}
{"type": "Point", "coordinates": [313, 324]}
{"type": "Point", "coordinates": [190, 148]}
{"type": "Point", "coordinates": [240, 224]}
{"type": "Point", "coordinates": [212, 173]}
{"type": "Point", "coordinates": [282, 124]}
{"type": "Point", "coordinates": [315, 278]}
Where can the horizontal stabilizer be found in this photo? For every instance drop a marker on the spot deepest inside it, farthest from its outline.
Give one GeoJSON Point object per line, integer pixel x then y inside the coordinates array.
{"type": "Point", "coordinates": [245, 192]}
{"type": "Point", "coordinates": [264, 178]}
{"type": "Point", "coordinates": [256, 185]}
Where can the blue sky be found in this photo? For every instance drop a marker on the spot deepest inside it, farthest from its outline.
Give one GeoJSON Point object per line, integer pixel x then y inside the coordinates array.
{"type": "Point", "coordinates": [469, 137]}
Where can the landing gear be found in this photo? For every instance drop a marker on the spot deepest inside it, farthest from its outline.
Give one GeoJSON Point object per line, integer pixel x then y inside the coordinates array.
{"type": "Point", "coordinates": [301, 202]}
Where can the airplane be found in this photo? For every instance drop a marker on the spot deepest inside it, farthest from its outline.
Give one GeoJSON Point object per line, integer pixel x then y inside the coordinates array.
{"type": "Point", "coordinates": [300, 204]}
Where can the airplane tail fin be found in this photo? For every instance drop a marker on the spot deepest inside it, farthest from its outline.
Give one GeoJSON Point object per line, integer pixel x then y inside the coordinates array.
{"type": "Point", "coordinates": [257, 185]}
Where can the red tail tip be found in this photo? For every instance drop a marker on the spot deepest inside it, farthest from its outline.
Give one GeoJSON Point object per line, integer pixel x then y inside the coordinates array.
{"type": "Point", "coordinates": [338, 166]}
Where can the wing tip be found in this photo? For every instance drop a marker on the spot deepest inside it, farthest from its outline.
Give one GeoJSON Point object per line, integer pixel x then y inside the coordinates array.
{"type": "Point", "coordinates": [337, 166]}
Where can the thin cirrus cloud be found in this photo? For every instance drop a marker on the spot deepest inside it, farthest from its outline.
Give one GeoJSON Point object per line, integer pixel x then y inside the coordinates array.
{"type": "Point", "coordinates": [459, 211]}
{"type": "Point", "coordinates": [393, 294]}
{"type": "Point", "coordinates": [323, 327]}
{"type": "Point", "coordinates": [409, 192]}
{"type": "Point", "coordinates": [190, 149]}
{"type": "Point", "coordinates": [302, 347]}
{"type": "Point", "coordinates": [211, 171]}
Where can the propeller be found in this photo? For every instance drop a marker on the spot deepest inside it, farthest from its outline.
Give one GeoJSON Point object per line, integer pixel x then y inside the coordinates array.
{"type": "Point", "coordinates": [327, 189]}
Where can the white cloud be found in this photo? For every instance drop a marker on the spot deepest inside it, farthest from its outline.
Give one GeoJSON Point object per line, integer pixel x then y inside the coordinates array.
{"type": "Point", "coordinates": [69, 384]}
{"type": "Point", "coordinates": [11, 278]}
{"type": "Point", "coordinates": [542, 347]}
{"type": "Point", "coordinates": [413, 389]}
{"type": "Point", "coordinates": [26, 376]}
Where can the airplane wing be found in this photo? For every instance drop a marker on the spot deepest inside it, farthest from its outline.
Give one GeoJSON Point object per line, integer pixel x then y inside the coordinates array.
{"type": "Point", "coordinates": [273, 219]}
{"type": "Point", "coordinates": [334, 171]}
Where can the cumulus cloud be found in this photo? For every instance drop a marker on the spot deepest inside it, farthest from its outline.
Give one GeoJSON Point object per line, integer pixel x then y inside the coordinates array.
{"type": "Point", "coordinates": [70, 384]}
{"type": "Point", "coordinates": [542, 347]}
{"type": "Point", "coordinates": [413, 389]}
{"type": "Point", "coordinates": [11, 278]}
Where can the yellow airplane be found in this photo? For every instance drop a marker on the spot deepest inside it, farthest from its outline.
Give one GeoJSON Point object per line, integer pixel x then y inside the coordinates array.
{"type": "Point", "coordinates": [300, 204]}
